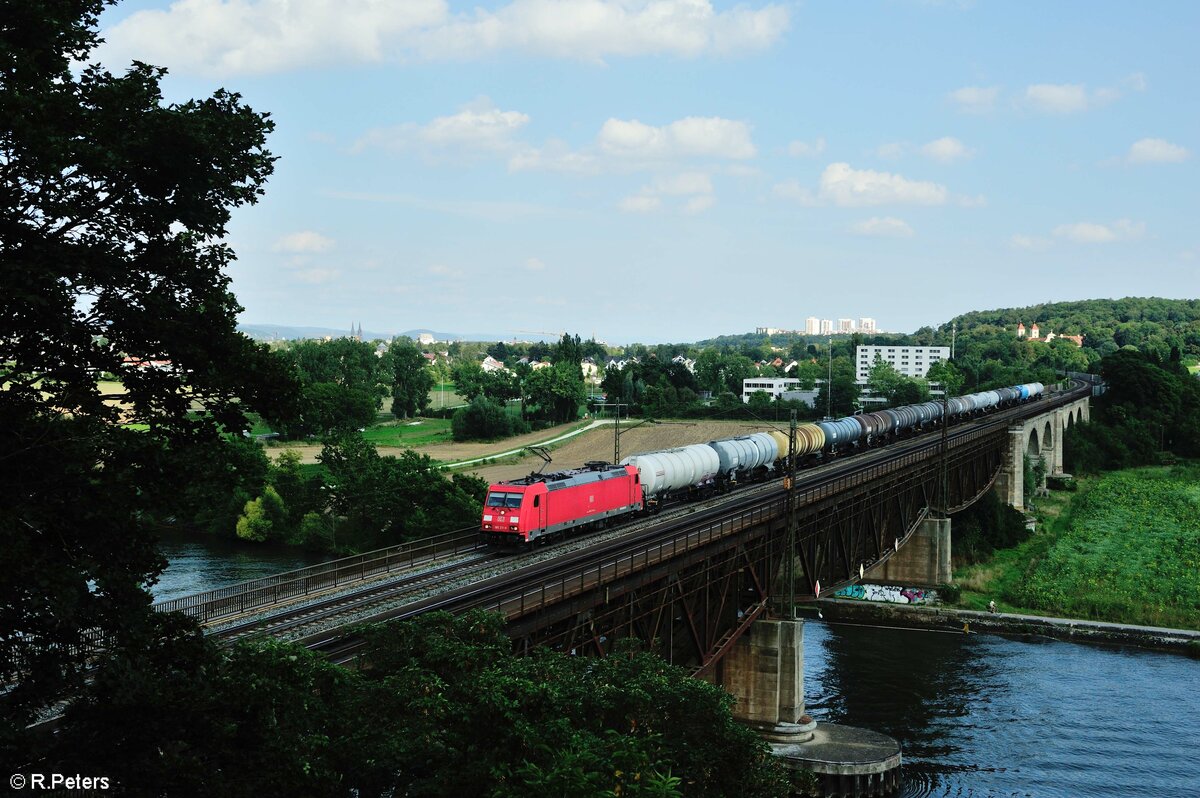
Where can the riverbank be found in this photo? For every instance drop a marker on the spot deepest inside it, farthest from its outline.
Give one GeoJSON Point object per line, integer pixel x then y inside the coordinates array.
{"type": "Point", "coordinates": [954, 619]}
{"type": "Point", "coordinates": [1123, 548]}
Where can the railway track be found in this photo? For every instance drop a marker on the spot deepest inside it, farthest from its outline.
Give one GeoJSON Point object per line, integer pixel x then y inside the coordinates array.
{"type": "Point", "coordinates": [469, 584]}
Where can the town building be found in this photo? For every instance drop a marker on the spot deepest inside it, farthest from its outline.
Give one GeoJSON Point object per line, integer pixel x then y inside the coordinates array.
{"type": "Point", "coordinates": [911, 361]}
{"type": "Point", "coordinates": [812, 326]}
{"type": "Point", "coordinates": [826, 327]}
{"type": "Point", "coordinates": [785, 388]}
{"type": "Point", "coordinates": [866, 326]}
{"type": "Point", "coordinates": [845, 325]}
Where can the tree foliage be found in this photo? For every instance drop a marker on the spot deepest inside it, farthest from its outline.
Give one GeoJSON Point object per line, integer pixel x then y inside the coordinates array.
{"type": "Point", "coordinates": [445, 710]}
{"type": "Point", "coordinates": [411, 378]}
{"type": "Point", "coordinates": [379, 501]}
{"type": "Point", "coordinates": [113, 206]}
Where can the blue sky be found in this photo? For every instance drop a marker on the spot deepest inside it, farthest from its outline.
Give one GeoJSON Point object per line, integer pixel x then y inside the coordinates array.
{"type": "Point", "coordinates": [669, 170]}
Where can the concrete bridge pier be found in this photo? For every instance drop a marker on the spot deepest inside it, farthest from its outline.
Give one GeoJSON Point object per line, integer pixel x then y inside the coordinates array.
{"type": "Point", "coordinates": [924, 561]}
{"type": "Point", "coordinates": [765, 673]}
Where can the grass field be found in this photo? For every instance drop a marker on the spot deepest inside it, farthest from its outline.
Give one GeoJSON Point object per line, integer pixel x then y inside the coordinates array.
{"type": "Point", "coordinates": [407, 434]}
{"type": "Point", "coordinates": [1125, 548]}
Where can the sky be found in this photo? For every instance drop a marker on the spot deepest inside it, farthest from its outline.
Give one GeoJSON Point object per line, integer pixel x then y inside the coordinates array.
{"type": "Point", "coordinates": [672, 170]}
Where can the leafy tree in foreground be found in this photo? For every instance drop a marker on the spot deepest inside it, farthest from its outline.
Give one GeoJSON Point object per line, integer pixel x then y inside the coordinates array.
{"type": "Point", "coordinates": [445, 710]}
{"type": "Point", "coordinates": [113, 209]}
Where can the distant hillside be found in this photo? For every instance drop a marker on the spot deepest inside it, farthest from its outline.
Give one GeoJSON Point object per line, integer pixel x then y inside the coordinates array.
{"type": "Point", "coordinates": [1106, 324]}
{"type": "Point", "coordinates": [280, 332]}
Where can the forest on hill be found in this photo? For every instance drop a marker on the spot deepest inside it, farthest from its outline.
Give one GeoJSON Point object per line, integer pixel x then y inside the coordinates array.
{"type": "Point", "coordinates": [1150, 324]}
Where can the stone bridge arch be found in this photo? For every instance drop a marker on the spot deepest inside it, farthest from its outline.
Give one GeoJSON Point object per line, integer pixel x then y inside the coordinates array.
{"type": "Point", "coordinates": [1040, 436]}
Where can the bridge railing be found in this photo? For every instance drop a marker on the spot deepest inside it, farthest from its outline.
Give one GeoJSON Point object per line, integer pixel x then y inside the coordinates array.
{"type": "Point", "coordinates": [522, 601]}
{"type": "Point", "coordinates": [269, 590]}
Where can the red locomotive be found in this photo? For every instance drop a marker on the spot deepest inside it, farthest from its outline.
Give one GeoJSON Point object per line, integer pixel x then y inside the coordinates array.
{"type": "Point", "coordinates": [543, 506]}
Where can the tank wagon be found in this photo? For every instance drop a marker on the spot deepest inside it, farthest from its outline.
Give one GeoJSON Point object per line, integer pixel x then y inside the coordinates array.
{"type": "Point", "coordinates": [540, 506]}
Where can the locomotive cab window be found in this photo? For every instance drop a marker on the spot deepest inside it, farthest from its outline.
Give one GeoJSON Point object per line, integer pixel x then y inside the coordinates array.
{"type": "Point", "coordinates": [497, 499]}
{"type": "Point", "coordinates": [513, 499]}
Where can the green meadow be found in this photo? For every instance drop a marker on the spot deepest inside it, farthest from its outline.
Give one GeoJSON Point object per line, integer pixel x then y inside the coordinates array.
{"type": "Point", "coordinates": [1124, 548]}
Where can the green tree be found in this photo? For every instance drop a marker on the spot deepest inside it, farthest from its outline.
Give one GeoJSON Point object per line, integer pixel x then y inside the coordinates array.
{"type": "Point", "coordinates": [114, 205]}
{"type": "Point", "coordinates": [557, 392]}
{"type": "Point", "coordinates": [264, 518]}
{"type": "Point", "coordinates": [481, 420]}
{"type": "Point", "coordinates": [411, 379]}
{"type": "Point", "coordinates": [883, 378]}
{"type": "Point", "coordinates": [330, 407]}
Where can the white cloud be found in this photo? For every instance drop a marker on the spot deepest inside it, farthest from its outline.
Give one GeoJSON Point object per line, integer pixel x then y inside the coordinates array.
{"type": "Point", "coordinates": [712, 137]}
{"type": "Point", "coordinates": [696, 186]}
{"type": "Point", "coordinates": [304, 241]}
{"type": "Point", "coordinates": [700, 204]}
{"type": "Point", "coordinates": [805, 149]}
{"type": "Point", "coordinates": [792, 191]}
{"type": "Point", "coordinates": [975, 99]}
{"type": "Point", "coordinates": [683, 184]}
{"type": "Point", "coordinates": [478, 126]}
{"type": "Point", "coordinates": [229, 37]}
{"type": "Point", "coordinates": [556, 156]}
{"type": "Point", "coordinates": [842, 185]}
{"type": "Point", "coordinates": [640, 204]}
{"type": "Point", "coordinates": [1092, 233]}
{"type": "Point", "coordinates": [444, 271]}
{"type": "Point", "coordinates": [1062, 98]}
{"type": "Point", "coordinates": [882, 227]}
{"type": "Point", "coordinates": [534, 265]}
{"type": "Point", "coordinates": [1020, 241]}
{"type": "Point", "coordinates": [1157, 151]}
{"type": "Point", "coordinates": [1069, 98]}
{"type": "Point", "coordinates": [946, 150]}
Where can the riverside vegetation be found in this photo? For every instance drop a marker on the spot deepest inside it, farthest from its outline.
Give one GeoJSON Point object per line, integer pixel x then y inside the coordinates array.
{"type": "Point", "coordinates": [1124, 547]}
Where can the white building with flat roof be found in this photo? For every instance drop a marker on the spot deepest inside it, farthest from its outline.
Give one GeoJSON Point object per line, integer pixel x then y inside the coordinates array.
{"type": "Point", "coordinates": [812, 326]}
{"type": "Point", "coordinates": [826, 327]}
{"type": "Point", "coordinates": [911, 361]}
{"type": "Point", "coordinates": [866, 325]}
{"type": "Point", "coordinates": [845, 325]}
{"type": "Point", "coordinates": [778, 388]}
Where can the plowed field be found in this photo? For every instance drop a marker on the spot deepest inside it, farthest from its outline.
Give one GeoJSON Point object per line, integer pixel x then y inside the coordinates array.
{"type": "Point", "coordinates": [597, 444]}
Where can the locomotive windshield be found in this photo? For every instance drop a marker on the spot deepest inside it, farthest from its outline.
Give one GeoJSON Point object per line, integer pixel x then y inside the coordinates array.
{"type": "Point", "coordinates": [498, 499]}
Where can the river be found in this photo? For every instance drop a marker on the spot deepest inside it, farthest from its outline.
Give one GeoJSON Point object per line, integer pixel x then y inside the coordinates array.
{"type": "Point", "coordinates": [976, 715]}
{"type": "Point", "coordinates": [198, 564]}
{"type": "Point", "coordinates": [984, 715]}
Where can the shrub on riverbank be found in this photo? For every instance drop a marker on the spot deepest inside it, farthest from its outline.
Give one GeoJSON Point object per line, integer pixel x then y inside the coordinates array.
{"type": "Point", "coordinates": [1127, 550]}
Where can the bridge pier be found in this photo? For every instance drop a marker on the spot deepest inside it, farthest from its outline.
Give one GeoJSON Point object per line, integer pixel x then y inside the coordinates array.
{"type": "Point", "coordinates": [924, 561]}
{"type": "Point", "coordinates": [765, 673]}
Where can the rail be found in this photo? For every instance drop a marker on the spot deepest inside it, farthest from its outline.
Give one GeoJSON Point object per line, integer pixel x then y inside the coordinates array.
{"type": "Point", "coordinates": [270, 590]}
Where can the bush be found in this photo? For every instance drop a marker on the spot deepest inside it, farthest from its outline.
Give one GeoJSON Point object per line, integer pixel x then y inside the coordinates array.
{"type": "Point", "coordinates": [950, 594]}
{"type": "Point", "coordinates": [483, 420]}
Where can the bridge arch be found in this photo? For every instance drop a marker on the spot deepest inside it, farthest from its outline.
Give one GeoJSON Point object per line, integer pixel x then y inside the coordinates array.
{"type": "Point", "coordinates": [1032, 446]}
{"type": "Point", "coordinates": [1047, 436]}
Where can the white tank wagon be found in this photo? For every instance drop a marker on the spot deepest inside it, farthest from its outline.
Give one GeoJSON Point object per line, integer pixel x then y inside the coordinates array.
{"type": "Point", "coordinates": [671, 470]}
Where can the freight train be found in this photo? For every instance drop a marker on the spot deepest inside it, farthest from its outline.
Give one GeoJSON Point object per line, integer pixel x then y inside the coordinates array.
{"type": "Point", "coordinates": [542, 506]}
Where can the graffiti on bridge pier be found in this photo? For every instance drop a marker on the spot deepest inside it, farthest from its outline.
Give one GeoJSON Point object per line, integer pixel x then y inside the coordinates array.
{"type": "Point", "coordinates": [893, 594]}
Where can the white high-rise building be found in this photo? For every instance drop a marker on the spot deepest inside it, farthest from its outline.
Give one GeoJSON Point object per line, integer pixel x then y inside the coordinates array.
{"type": "Point", "coordinates": [866, 325]}
{"type": "Point", "coordinates": [812, 326]}
{"type": "Point", "coordinates": [826, 326]}
{"type": "Point", "coordinates": [845, 325]}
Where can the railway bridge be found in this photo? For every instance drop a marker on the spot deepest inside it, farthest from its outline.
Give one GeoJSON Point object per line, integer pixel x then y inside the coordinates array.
{"type": "Point", "coordinates": [712, 586]}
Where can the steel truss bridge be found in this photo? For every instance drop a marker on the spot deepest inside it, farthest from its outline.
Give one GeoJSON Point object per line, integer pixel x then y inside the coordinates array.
{"type": "Point", "coordinates": [689, 585]}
